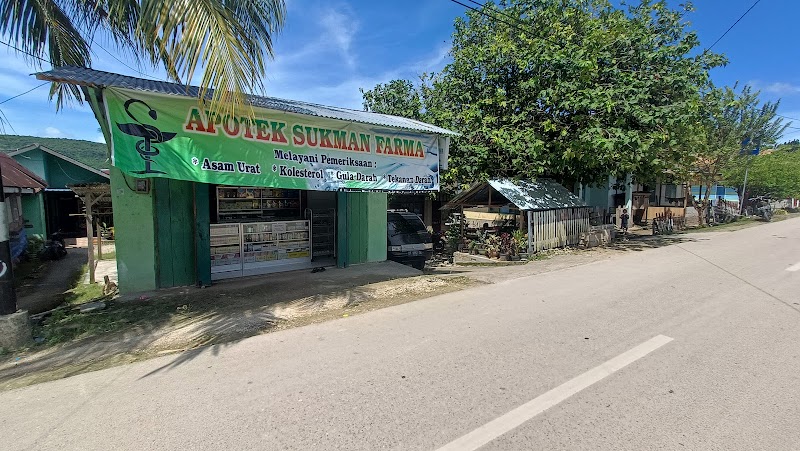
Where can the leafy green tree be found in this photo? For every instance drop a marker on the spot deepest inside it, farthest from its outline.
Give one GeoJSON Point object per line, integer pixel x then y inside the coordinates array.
{"type": "Point", "coordinates": [789, 146]}
{"type": "Point", "coordinates": [229, 39]}
{"type": "Point", "coordinates": [729, 124]}
{"type": "Point", "coordinates": [775, 174]}
{"type": "Point", "coordinates": [398, 98]}
{"type": "Point", "coordinates": [575, 89]}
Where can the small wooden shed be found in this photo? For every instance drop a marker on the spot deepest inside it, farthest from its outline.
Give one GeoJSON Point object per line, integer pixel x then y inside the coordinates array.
{"type": "Point", "coordinates": [553, 216]}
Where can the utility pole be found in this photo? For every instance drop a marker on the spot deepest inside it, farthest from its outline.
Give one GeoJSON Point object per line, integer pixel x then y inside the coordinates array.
{"type": "Point", "coordinates": [744, 187]}
{"type": "Point", "coordinates": [8, 297]}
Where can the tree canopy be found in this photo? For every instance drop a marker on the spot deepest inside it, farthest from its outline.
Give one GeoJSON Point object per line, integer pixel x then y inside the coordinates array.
{"type": "Point", "coordinates": [397, 97]}
{"type": "Point", "coordinates": [576, 89]}
{"type": "Point", "coordinates": [230, 40]}
{"type": "Point", "coordinates": [775, 174]}
{"type": "Point", "coordinates": [730, 125]}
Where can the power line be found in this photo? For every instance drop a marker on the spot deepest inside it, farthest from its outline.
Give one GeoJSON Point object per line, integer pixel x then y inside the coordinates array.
{"type": "Point", "coordinates": [787, 117]}
{"type": "Point", "coordinates": [734, 24]}
{"type": "Point", "coordinates": [494, 17]}
{"type": "Point", "coordinates": [124, 64]}
{"type": "Point", "coordinates": [5, 120]}
{"type": "Point", "coordinates": [22, 94]}
{"type": "Point", "coordinates": [26, 53]}
{"type": "Point", "coordinates": [90, 49]}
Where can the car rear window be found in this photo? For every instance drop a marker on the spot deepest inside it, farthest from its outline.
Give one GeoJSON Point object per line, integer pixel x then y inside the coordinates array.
{"type": "Point", "coordinates": [399, 224]}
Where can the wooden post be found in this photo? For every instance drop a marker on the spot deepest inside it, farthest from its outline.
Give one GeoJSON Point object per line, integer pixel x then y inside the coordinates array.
{"type": "Point", "coordinates": [90, 235]}
{"type": "Point", "coordinates": [99, 243]}
{"type": "Point", "coordinates": [530, 233]}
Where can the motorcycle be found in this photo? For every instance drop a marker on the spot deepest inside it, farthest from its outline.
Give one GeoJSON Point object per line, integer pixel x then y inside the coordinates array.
{"type": "Point", "coordinates": [54, 248]}
{"type": "Point", "coordinates": [762, 208]}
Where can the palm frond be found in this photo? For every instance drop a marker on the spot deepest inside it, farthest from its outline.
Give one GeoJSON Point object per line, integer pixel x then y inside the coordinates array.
{"type": "Point", "coordinates": [44, 31]}
{"type": "Point", "coordinates": [230, 40]}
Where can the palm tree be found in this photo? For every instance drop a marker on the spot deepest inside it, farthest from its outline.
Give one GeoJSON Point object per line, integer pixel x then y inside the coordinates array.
{"type": "Point", "coordinates": [230, 40]}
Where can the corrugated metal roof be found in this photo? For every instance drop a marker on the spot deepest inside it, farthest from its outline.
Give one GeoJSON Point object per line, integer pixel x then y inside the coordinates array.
{"type": "Point", "coordinates": [16, 176]}
{"type": "Point", "coordinates": [542, 194]}
{"type": "Point", "coordinates": [98, 79]}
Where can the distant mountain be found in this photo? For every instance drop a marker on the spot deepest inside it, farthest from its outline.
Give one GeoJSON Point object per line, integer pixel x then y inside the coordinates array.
{"type": "Point", "coordinates": [87, 152]}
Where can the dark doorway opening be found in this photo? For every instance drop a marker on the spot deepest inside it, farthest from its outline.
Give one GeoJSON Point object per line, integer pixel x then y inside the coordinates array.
{"type": "Point", "coordinates": [64, 213]}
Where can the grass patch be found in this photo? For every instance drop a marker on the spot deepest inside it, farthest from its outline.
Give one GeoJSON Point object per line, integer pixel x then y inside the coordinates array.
{"type": "Point", "coordinates": [109, 255]}
{"type": "Point", "coordinates": [82, 292]}
{"type": "Point", "coordinates": [69, 325]}
{"type": "Point", "coordinates": [742, 223]}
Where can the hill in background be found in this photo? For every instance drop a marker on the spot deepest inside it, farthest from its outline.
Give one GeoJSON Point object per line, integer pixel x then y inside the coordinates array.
{"type": "Point", "coordinates": [87, 152]}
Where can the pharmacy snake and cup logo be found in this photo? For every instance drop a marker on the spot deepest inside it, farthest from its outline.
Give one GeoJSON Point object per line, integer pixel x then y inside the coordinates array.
{"type": "Point", "coordinates": [150, 135]}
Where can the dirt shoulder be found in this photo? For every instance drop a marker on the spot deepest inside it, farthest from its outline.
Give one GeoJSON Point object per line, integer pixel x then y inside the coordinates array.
{"type": "Point", "coordinates": [179, 320]}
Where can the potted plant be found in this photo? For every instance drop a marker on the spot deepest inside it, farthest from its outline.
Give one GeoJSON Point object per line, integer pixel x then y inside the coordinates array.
{"type": "Point", "coordinates": [492, 246]}
{"type": "Point", "coordinates": [521, 241]}
{"type": "Point", "coordinates": [507, 247]}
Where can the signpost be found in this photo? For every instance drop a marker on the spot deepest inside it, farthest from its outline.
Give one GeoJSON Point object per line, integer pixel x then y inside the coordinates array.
{"type": "Point", "coordinates": [752, 152]}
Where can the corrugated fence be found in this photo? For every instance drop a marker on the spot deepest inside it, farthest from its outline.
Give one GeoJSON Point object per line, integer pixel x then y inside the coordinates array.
{"type": "Point", "coordinates": [551, 229]}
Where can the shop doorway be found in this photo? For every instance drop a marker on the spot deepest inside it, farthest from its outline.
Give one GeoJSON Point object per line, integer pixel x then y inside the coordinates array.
{"type": "Point", "coordinates": [322, 212]}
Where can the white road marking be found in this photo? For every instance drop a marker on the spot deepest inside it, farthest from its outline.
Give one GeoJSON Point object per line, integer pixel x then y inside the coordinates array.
{"type": "Point", "coordinates": [530, 409]}
{"type": "Point", "coordinates": [794, 268]}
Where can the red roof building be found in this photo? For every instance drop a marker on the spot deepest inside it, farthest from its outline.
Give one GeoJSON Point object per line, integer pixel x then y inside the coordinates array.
{"type": "Point", "coordinates": [17, 179]}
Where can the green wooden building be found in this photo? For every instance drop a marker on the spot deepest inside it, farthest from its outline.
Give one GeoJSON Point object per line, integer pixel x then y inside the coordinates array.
{"type": "Point", "coordinates": [56, 208]}
{"type": "Point", "coordinates": [200, 196]}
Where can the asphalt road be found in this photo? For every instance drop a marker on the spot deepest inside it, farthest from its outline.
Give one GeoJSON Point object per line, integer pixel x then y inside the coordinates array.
{"type": "Point", "coordinates": [690, 346]}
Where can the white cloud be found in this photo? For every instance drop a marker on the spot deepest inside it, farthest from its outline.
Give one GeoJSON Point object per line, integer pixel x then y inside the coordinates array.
{"type": "Point", "coordinates": [52, 132]}
{"type": "Point", "coordinates": [100, 139]}
{"type": "Point", "coordinates": [778, 88]}
{"type": "Point", "coordinates": [339, 24]}
{"type": "Point", "coordinates": [782, 88]}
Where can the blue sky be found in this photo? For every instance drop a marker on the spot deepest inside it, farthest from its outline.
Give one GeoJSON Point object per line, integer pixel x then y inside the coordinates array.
{"type": "Point", "coordinates": [330, 49]}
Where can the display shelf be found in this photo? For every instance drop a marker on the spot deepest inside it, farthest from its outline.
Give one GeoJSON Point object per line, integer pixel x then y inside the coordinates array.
{"type": "Point", "coordinates": [271, 247]}
{"type": "Point", "coordinates": [257, 203]}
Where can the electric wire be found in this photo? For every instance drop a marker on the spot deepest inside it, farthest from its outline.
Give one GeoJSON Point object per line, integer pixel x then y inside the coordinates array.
{"type": "Point", "coordinates": [22, 94]}
{"type": "Point", "coordinates": [734, 24]}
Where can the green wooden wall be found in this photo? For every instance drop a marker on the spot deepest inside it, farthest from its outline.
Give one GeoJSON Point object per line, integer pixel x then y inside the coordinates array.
{"type": "Point", "coordinates": [33, 212]}
{"type": "Point", "coordinates": [175, 241]}
{"type": "Point", "coordinates": [202, 194]}
{"type": "Point", "coordinates": [135, 234]}
{"type": "Point", "coordinates": [361, 228]}
{"type": "Point", "coordinates": [376, 218]}
{"type": "Point", "coordinates": [61, 173]}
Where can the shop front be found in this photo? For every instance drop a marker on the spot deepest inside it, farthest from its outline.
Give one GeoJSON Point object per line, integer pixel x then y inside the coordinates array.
{"type": "Point", "coordinates": [257, 230]}
{"type": "Point", "coordinates": [287, 185]}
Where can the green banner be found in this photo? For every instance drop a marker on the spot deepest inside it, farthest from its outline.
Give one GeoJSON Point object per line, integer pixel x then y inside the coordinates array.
{"type": "Point", "coordinates": [158, 135]}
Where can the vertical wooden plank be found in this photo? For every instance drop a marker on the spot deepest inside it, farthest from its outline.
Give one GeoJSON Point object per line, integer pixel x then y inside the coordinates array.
{"type": "Point", "coordinates": [342, 229]}
{"type": "Point", "coordinates": [202, 222]}
{"type": "Point", "coordinates": [88, 201]}
{"type": "Point", "coordinates": [99, 243]}
{"type": "Point", "coordinates": [182, 233]}
{"type": "Point", "coordinates": [163, 235]}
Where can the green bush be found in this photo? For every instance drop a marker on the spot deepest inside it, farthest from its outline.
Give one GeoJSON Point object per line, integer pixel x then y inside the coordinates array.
{"type": "Point", "coordinates": [35, 244]}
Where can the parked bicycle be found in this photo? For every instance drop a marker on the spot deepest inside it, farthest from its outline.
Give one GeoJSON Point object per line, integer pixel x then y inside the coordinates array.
{"type": "Point", "coordinates": [663, 224]}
